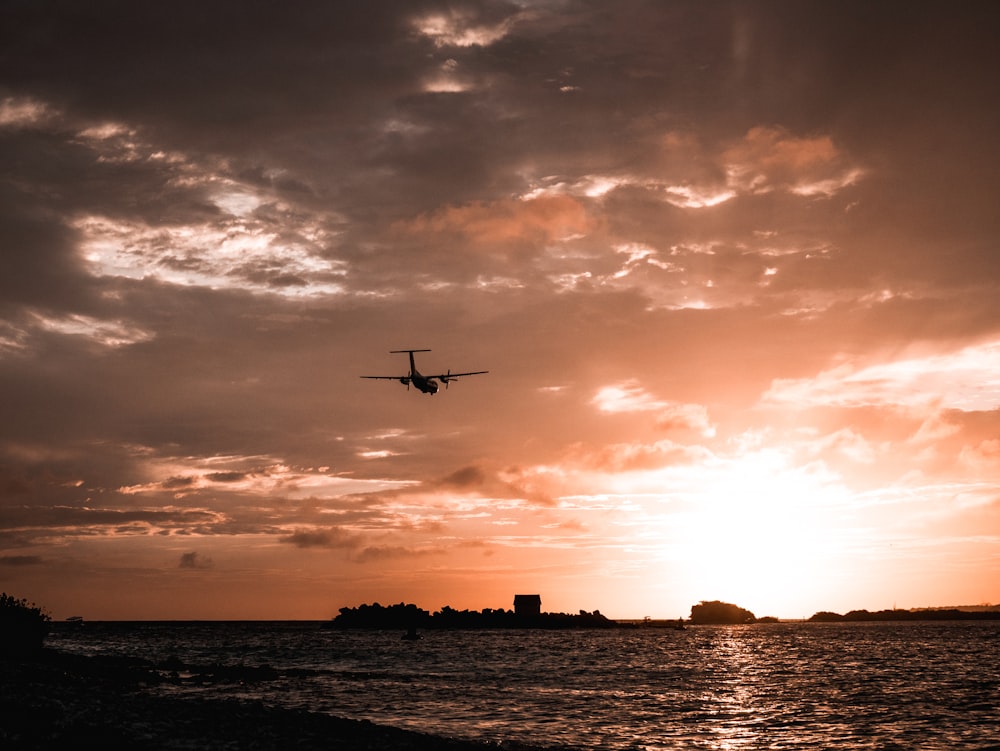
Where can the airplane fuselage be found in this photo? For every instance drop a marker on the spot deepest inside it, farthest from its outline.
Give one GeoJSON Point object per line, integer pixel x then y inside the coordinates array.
{"type": "Point", "coordinates": [426, 385]}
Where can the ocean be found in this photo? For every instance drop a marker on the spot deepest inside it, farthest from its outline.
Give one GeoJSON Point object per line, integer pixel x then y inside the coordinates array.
{"type": "Point", "coordinates": [767, 686]}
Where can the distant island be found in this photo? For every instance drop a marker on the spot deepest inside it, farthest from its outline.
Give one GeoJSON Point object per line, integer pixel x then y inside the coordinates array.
{"type": "Point", "coordinates": [721, 613]}
{"type": "Point", "coordinates": [527, 614]}
{"type": "Point", "coordinates": [408, 616]}
{"type": "Point", "coordinates": [715, 612]}
{"type": "Point", "coordinates": [923, 614]}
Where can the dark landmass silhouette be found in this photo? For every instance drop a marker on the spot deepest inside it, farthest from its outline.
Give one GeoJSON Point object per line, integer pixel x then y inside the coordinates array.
{"type": "Point", "coordinates": [409, 616]}
{"type": "Point", "coordinates": [934, 614]}
{"type": "Point", "coordinates": [23, 626]}
{"type": "Point", "coordinates": [720, 613]}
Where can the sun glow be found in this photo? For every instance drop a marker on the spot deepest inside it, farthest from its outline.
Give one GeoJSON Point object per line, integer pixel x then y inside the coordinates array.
{"type": "Point", "coordinates": [756, 531]}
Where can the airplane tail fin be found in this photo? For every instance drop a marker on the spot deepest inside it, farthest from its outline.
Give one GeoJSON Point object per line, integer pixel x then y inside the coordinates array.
{"type": "Point", "coordinates": [413, 367]}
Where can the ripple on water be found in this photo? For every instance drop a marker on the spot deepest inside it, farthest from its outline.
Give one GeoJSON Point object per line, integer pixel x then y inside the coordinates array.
{"type": "Point", "coordinates": [781, 686]}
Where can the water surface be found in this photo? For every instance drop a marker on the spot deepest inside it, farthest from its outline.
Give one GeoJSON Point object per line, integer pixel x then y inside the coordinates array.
{"type": "Point", "coordinates": [768, 686]}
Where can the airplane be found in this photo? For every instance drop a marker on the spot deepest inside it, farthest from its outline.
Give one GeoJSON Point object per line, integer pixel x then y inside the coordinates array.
{"type": "Point", "coordinates": [427, 384]}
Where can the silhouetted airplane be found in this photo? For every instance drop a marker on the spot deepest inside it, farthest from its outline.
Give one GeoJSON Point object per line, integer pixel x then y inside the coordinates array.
{"type": "Point", "coordinates": [429, 383]}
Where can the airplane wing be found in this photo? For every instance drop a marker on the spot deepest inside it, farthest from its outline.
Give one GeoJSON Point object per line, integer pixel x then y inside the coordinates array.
{"type": "Point", "coordinates": [451, 376]}
{"type": "Point", "coordinates": [385, 378]}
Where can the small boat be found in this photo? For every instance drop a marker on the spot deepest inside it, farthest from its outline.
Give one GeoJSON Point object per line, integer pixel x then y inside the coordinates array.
{"type": "Point", "coordinates": [75, 620]}
{"type": "Point", "coordinates": [411, 634]}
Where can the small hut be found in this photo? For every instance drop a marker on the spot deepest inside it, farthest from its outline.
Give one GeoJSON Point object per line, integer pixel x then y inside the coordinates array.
{"type": "Point", "coordinates": [529, 606]}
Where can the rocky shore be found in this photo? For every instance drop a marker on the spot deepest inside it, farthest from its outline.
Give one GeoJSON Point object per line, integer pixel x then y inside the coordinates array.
{"type": "Point", "coordinates": [55, 700]}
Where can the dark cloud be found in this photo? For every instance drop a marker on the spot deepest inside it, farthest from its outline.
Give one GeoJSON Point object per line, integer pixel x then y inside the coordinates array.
{"type": "Point", "coordinates": [226, 476]}
{"type": "Point", "coordinates": [21, 560]}
{"type": "Point", "coordinates": [37, 267]}
{"type": "Point", "coordinates": [177, 483]}
{"type": "Point", "coordinates": [195, 560]}
{"type": "Point", "coordinates": [64, 516]}
{"type": "Point", "coordinates": [467, 477]}
{"type": "Point", "coordinates": [331, 537]}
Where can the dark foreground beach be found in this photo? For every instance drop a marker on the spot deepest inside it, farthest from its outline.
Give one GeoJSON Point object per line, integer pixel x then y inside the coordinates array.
{"type": "Point", "coordinates": [59, 700]}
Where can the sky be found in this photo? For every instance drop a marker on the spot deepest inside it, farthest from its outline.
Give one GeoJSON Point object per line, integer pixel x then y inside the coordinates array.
{"type": "Point", "coordinates": [733, 269]}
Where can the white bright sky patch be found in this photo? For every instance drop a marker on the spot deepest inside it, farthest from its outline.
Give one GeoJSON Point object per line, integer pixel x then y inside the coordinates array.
{"type": "Point", "coordinates": [968, 379]}
{"type": "Point", "coordinates": [758, 512]}
{"type": "Point", "coordinates": [829, 186]}
{"type": "Point", "coordinates": [444, 85]}
{"type": "Point", "coordinates": [107, 333]}
{"type": "Point", "coordinates": [458, 30]}
{"type": "Point", "coordinates": [690, 197]}
{"type": "Point", "coordinates": [234, 254]}
{"type": "Point", "coordinates": [599, 186]}
{"type": "Point", "coordinates": [255, 476]}
{"type": "Point", "coordinates": [236, 202]}
{"type": "Point", "coordinates": [22, 112]}
{"type": "Point", "coordinates": [446, 80]}
{"type": "Point", "coordinates": [106, 131]}
{"type": "Point", "coordinates": [12, 339]}
{"type": "Point", "coordinates": [628, 396]}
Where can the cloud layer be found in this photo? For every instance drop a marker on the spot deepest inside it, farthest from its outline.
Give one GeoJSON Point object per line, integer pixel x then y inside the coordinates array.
{"type": "Point", "coordinates": [732, 269]}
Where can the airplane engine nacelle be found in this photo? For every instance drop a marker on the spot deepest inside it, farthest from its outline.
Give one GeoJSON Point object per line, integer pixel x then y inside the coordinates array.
{"type": "Point", "coordinates": [405, 381]}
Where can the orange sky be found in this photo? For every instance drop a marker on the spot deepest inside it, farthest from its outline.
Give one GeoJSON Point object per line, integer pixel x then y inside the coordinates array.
{"type": "Point", "coordinates": [733, 269]}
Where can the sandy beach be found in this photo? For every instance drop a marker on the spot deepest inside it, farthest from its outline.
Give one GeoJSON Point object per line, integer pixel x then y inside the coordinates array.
{"type": "Point", "coordinates": [57, 699]}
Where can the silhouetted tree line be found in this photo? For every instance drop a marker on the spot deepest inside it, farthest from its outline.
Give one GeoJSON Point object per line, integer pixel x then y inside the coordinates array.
{"type": "Point", "coordinates": [406, 616]}
{"type": "Point", "coordinates": [949, 614]}
{"type": "Point", "coordinates": [23, 626]}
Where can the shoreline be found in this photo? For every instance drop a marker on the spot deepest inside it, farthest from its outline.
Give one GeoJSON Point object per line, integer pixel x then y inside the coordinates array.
{"type": "Point", "coordinates": [54, 699]}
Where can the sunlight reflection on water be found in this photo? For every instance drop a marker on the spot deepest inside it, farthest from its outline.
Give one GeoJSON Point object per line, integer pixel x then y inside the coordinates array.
{"type": "Point", "coordinates": [776, 686]}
